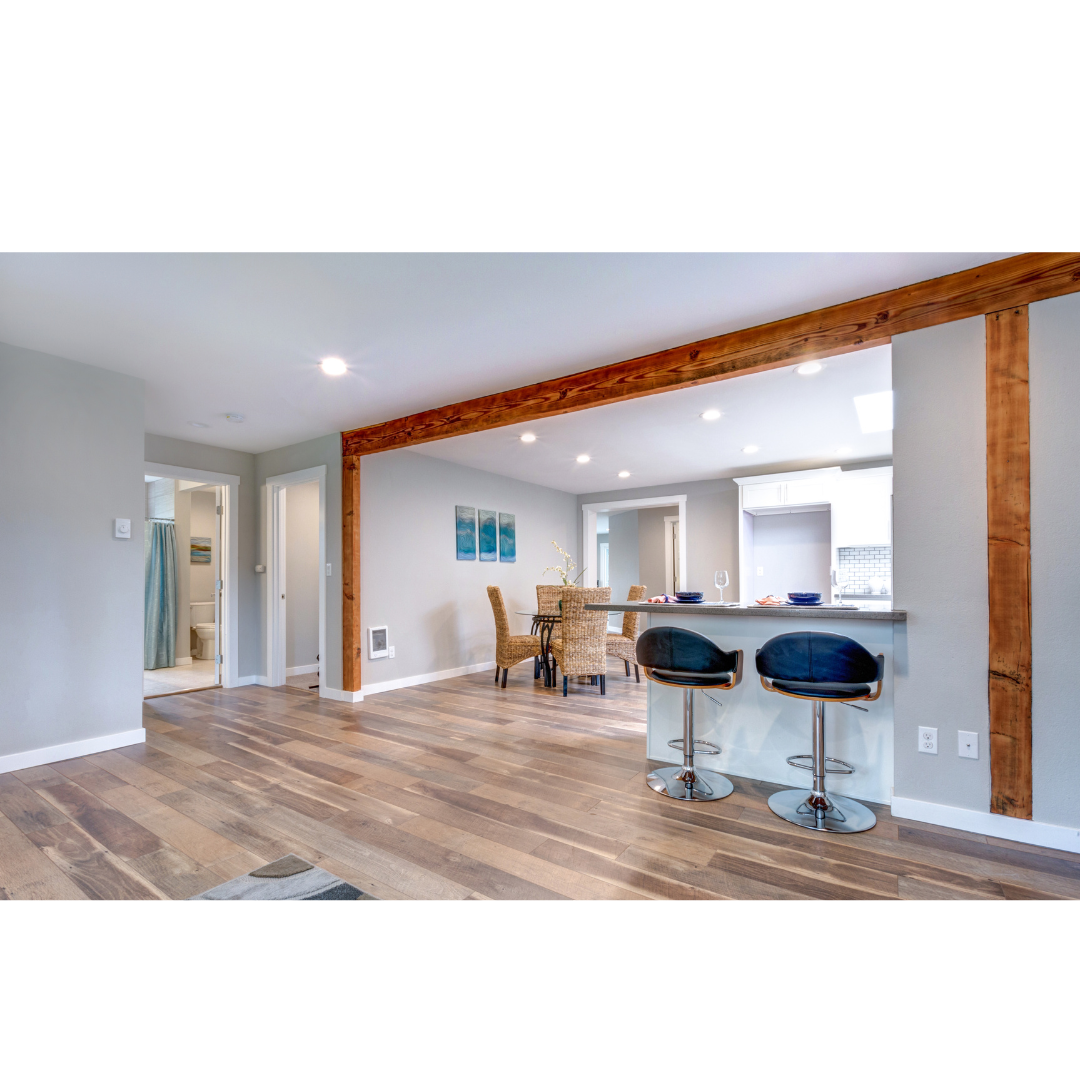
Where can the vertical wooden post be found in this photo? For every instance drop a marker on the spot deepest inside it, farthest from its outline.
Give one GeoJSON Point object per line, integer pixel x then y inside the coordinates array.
{"type": "Point", "coordinates": [352, 636]}
{"type": "Point", "coordinates": [1008, 507]}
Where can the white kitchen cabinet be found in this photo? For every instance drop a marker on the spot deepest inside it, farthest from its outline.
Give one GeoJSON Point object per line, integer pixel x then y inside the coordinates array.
{"type": "Point", "coordinates": [806, 491]}
{"type": "Point", "coordinates": [758, 495]}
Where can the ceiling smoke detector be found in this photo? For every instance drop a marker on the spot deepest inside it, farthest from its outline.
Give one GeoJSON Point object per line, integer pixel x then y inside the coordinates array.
{"type": "Point", "coordinates": [235, 417]}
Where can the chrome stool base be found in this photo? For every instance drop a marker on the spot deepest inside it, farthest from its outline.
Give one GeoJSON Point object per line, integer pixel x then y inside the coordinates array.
{"type": "Point", "coordinates": [843, 815]}
{"type": "Point", "coordinates": [706, 785]}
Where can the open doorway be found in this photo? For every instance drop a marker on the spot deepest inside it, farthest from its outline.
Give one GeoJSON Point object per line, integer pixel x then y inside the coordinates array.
{"type": "Point", "coordinates": [189, 581]}
{"type": "Point", "coordinates": [296, 578]}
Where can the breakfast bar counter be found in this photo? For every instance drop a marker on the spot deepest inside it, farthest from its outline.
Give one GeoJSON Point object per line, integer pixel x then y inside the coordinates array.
{"type": "Point", "coordinates": [757, 730]}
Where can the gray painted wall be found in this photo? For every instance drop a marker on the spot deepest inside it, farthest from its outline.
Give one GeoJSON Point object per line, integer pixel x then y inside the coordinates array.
{"type": "Point", "coordinates": [301, 574]}
{"type": "Point", "coordinates": [188, 455]}
{"type": "Point", "coordinates": [711, 531]}
{"type": "Point", "coordinates": [622, 554]}
{"type": "Point", "coordinates": [652, 540]}
{"type": "Point", "coordinates": [308, 455]}
{"type": "Point", "coordinates": [940, 561]}
{"type": "Point", "coordinates": [71, 621]}
{"type": "Point", "coordinates": [794, 550]}
{"type": "Point", "coordinates": [1055, 547]}
{"type": "Point", "coordinates": [436, 607]}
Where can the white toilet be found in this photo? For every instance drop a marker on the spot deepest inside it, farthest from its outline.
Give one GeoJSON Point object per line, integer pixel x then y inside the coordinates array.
{"type": "Point", "coordinates": [205, 631]}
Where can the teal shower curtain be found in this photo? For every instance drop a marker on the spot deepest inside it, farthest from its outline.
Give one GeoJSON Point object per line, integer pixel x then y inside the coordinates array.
{"type": "Point", "coordinates": [159, 627]}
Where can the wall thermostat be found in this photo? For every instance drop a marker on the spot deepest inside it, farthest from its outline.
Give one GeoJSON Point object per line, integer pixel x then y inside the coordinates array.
{"type": "Point", "coordinates": [123, 529]}
{"type": "Point", "coordinates": [377, 642]}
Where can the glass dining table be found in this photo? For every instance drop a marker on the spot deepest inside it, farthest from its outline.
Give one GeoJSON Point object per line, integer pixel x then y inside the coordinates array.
{"type": "Point", "coordinates": [545, 622]}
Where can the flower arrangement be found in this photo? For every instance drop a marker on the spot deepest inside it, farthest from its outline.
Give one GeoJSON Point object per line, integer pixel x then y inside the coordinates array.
{"type": "Point", "coordinates": [564, 571]}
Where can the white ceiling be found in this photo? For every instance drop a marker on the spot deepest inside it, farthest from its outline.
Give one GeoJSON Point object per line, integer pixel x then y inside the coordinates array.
{"type": "Point", "coordinates": [213, 334]}
{"type": "Point", "coordinates": [796, 421]}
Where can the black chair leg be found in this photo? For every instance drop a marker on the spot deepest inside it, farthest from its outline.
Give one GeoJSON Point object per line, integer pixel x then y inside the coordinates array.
{"type": "Point", "coordinates": [627, 663]}
{"type": "Point", "coordinates": [603, 686]}
{"type": "Point", "coordinates": [564, 686]}
{"type": "Point", "coordinates": [536, 667]}
{"type": "Point", "coordinates": [505, 670]}
{"type": "Point", "coordinates": [496, 674]}
{"type": "Point", "coordinates": [637, 674]}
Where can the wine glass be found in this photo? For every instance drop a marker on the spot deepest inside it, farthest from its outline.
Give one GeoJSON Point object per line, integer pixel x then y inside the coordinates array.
{"type": "Point", "coordinates": [720, 580]}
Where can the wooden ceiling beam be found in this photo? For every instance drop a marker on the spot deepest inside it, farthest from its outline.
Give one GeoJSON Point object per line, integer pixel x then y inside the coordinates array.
{"type": "Point", "coordinates": [856, 324]}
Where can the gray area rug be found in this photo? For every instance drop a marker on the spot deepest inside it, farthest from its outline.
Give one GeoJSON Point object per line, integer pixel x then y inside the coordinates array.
{"type": "Point", "coordinates": [290, 878]}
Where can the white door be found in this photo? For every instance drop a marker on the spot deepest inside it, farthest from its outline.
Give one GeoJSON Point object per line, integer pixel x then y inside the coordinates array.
{"type": "Point", "coordinates": [672, 567]}
{"type": "Point", "coordinates": [218, 548]}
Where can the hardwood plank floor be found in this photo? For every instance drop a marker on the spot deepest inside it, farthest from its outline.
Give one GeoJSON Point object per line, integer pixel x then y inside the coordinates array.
{"type": "Point", "coordinates": [454, 790]}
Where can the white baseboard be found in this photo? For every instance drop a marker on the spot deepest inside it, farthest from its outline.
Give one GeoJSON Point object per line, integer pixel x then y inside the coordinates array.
{"type": "Point", "coordinates": [253, 680]}
{"type": "Point", "coordinates": [431, 676]}
{"type": "Point", "coordinates": [303, 669]}
{"type": "Point", "coordinates": [1060, 837]}
{"type": "Point", "coordinates": [28, 759]}
{"type": "Point", "coordinates": [182, 660]}
{"type": "Point", "coordinates": [349, 696]}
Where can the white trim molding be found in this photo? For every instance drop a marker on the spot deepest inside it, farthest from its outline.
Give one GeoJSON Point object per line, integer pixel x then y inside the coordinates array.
{"type": "Point", "coordinates": [253, 680]}
{"type": "Point", "coordinates": [588, 527]}
{"type": "Point", "coordinates": [431, 676]}
{"type": "Point", "coordinates": [1000, 826]}
{"type": "Point", "coordinates": [302, 669]}
{"type": "Point", "coordinates": [350, 697]}
{"type": "Point", "coordinates": [28, 759]}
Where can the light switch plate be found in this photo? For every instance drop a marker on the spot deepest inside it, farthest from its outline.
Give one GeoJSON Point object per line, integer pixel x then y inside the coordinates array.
{"type": "Point", "coordinates": [927, 740]}
{"type": "Point", "coordinates": [391, 652]}
{"type": "Point", "coordinates": [327, 569]}
{"type": "Point", "coordinates": [968, 744]}
{"type": "Point", "coordinates": [123, 528]}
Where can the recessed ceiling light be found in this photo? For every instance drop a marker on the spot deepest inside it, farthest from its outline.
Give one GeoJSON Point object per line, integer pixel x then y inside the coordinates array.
{"type": "Point", "coordinates": [582, 459]}
{"type": "Point", "coordinates": [875, 412]}
{"type": "Point", "coordinates": [711, 414]}
{"type": "Point", "coordinates": [811, 367]}
{"type": "Point", "coordinates": [235, 417]}
{"type": "Point", "coordinates": [333, 365]}
{"type": "Point", "coordinates": [196, 423]}
{"type": "Point", "coordinates": [751, 449]}
{"type": "Point", "coordinates": [623, 475]}
{"type": "Point", "coordinates": [528, 437]}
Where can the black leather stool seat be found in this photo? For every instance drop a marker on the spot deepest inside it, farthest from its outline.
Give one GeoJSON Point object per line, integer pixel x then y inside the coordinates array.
{"type": "Point", "coordinates": [833, 691]}
{"type": "Point", "coordinates": [684, 657]}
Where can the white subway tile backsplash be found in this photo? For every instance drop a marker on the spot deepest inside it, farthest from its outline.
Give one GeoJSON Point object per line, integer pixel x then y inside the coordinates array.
{"type": "Point", "coordinates": [863, 563]}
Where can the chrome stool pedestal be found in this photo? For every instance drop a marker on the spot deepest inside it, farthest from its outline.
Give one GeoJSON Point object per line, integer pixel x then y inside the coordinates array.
{"type": "Point", "coordinates": [672, 656]}
{"type": "Point", "coordinates": [683, 781]}
{"type": "Point", "coordinates": [816, 809]}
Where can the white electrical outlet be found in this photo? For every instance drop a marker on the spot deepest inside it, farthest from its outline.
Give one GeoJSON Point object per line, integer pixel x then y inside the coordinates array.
{"type": "Point", "coordinates": [122, 528]}
{"type": "Point", "coordinates": [928, 740]}
{"type": "Point", "coordinates": [761, 571]}
{"type": "Point", "coordinates": [327, 569]}
{"type": "Point", "coordinates": [969, 744]}
{"type": "Point", "coordinates": [391, 652]}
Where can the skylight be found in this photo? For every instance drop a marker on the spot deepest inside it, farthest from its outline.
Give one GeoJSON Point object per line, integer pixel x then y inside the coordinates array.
{"type": "Point", "coordinates": [875, 412]}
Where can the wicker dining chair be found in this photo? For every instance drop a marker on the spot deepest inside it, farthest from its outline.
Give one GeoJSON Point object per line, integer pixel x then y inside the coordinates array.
{"type": "Point", "coordinates": [509, 649]}
{"type": "Point", "coordinates": [624, 644]}
{"type": "Point", "coordinates": [582, 648]}
{"type": "Point", "coordinates": [547, 603]}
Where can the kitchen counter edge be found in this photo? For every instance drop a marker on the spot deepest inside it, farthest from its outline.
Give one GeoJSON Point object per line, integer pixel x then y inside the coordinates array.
{"type": "Point", "coordinates": [781, 612]}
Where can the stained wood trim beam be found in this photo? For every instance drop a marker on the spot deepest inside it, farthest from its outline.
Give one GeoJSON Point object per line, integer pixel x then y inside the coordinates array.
{"type": "Point", "coordinates": [1008, 512]}
{"type": "Point", "coordinates": [846, 327]}
{"type": "Point", "coordinates": [352, 635]}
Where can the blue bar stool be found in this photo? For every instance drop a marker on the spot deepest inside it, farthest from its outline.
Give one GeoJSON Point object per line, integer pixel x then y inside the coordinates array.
{"type": "Point", "coordinates": [672, 656]}
{"type": "Point", "coordinates": [820, 668]}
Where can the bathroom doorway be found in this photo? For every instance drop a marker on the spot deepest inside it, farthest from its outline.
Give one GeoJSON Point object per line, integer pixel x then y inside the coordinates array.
{"type": "Point", "coordinates": [187, 557]}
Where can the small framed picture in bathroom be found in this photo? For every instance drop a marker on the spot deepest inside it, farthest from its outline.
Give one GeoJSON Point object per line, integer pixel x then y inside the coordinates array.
{"type": "Point", "coordinates": [200, 549]}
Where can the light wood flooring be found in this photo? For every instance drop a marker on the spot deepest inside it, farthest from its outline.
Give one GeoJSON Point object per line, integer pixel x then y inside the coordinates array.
{"type": "Point", "coordinates": [453, 790]}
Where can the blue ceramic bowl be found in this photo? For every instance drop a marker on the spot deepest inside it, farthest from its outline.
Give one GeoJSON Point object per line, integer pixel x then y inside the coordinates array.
{"type": "Point", "coordinates": [689, 597]}
{"type": "Point", "coordinates": [804, 597]}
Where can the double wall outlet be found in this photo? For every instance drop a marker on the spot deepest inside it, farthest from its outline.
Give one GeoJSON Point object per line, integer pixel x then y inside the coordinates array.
{"type": "Point", "coordinates": [927, 740]}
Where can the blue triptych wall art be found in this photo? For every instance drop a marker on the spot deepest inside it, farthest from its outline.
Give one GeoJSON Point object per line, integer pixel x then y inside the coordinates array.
{"type": "Point", "coordinates": [496, 534]}
{"type": "Point", "coordinates": [489, 536]}
{"type": "Point", "coordinates": [466, 532]}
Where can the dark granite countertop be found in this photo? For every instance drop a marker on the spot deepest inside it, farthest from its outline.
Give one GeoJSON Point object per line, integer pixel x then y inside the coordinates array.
{"type": "Point", "coordinates": [774, 612]}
